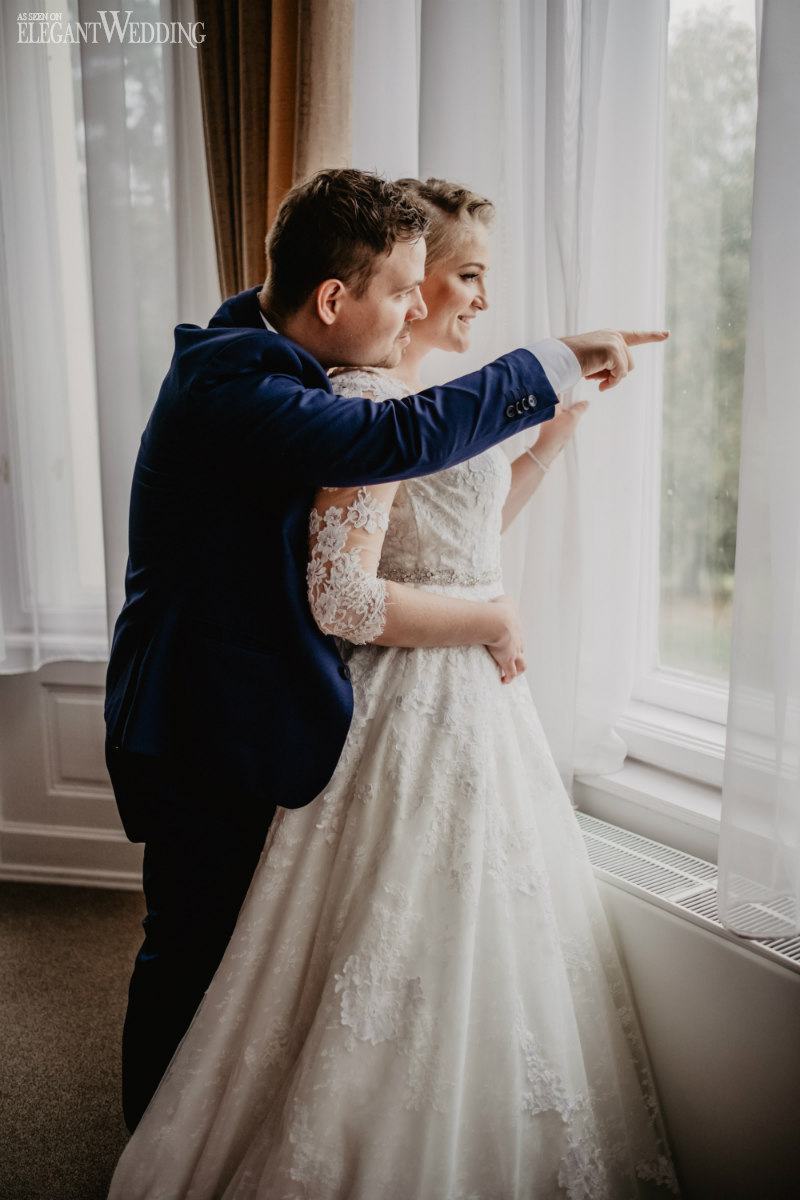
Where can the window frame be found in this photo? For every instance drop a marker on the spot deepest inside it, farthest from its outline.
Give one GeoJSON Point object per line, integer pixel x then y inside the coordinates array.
{"type": "Point", "coordinates": [676, 720]}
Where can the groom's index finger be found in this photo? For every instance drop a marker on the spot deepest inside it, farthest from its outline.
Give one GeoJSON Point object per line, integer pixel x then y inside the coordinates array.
{"type": "Point", "coordinates": [639, 337]}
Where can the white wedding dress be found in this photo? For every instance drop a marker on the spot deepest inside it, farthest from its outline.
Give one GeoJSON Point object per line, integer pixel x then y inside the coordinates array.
{"type": "Point", "coordinates": [421, 999]}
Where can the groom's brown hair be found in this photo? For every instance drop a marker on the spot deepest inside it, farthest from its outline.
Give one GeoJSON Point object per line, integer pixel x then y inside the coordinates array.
{"type": "Point", "coordinates": [334, 225]}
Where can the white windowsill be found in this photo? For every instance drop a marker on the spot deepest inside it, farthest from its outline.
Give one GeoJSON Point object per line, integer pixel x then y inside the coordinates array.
{"type": "Point", "coordinates": [24, 653]}
{"type": "Point", "coordinates": [670, 786]}
{"type": "Point", "coordinates": [656, 803]}
{"type": "Point", "coordinates": [677, 741]}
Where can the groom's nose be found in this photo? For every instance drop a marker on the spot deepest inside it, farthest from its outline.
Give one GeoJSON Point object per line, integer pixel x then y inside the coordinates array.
{"type": "Point", "coordinates": [417, 308]}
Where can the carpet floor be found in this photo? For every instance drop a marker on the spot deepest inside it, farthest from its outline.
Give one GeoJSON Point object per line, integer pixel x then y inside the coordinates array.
{"type": "Point", "coordinates": [66, 955]}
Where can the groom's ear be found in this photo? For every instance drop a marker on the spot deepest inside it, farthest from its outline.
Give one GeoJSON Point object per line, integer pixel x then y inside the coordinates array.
{"type": "Point", "coordinates": [329, 300]}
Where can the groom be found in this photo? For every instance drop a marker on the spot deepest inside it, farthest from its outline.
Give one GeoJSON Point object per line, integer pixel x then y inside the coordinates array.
{"type": "Point", "coordinates": [224, 698]}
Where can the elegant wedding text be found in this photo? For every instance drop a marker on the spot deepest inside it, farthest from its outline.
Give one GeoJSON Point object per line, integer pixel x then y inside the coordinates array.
{"type": "Point", "coordinates": [35, 29]}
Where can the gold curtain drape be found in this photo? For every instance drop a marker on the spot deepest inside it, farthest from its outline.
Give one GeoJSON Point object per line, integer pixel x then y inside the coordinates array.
{"type": "Point", "coordinates": [276, 84]}
{"type": "Point", "coordinates": [324, 85]}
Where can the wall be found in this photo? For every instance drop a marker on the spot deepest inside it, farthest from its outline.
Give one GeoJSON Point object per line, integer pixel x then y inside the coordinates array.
{"type": "Point", "coordinates": [58, 819]}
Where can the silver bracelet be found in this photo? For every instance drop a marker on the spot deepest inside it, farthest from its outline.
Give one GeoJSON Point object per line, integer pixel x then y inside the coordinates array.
{"type": "Point", "coordinates": [538, 461]}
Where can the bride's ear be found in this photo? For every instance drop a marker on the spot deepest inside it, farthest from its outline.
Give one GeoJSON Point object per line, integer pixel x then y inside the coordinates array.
{"type": "Point", "coordinates": [329, 299]}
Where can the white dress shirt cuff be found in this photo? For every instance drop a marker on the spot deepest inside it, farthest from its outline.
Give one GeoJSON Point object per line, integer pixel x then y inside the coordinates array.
{"type": "Point", "coordinates": [558, 362]}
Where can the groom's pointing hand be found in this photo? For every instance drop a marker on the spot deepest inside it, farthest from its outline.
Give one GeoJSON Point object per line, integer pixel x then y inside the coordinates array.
{"type": "Point", "coordinates": [605, 354]}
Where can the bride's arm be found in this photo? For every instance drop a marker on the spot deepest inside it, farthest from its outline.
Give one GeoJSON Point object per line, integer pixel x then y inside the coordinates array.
{"type": "Point", "coordinates": [348, 599]}
{"type": "Point", "coordinates": [526, 472]}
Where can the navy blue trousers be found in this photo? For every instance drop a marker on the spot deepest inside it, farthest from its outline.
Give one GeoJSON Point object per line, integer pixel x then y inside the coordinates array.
{"type": "Point", "coordinates": [197, 869]}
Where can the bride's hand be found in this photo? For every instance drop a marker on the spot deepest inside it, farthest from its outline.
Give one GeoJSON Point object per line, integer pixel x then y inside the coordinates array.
{"type": "Point", "coordinates": [555, 434]}
{"type": "Point", "coordinates": [507, 648]}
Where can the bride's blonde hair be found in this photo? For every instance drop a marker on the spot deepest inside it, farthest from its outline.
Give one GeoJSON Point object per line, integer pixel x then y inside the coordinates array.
{"type": "Point", "coordinates": [448, 206]}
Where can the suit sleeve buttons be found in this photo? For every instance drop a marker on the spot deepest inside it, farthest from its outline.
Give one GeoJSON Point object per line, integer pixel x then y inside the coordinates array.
{"type": "Point", "coordinates": [520, 407]}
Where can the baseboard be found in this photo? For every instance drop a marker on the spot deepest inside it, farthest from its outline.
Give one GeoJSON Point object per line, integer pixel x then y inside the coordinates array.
{"type": "Point", "coordinates": [121, 881]}
{"type": "Point", "coordinates": [40, 853]}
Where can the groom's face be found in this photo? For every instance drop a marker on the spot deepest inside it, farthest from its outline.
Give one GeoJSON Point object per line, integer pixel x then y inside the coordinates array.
{"type": "Point", "coordinates": [374, 327]}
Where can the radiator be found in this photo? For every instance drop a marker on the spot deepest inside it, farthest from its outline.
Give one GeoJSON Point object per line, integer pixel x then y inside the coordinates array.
{"type": "Point", "coordinates": [671, 879]}
{"type": "Point", "coordinates": [720, 1015]}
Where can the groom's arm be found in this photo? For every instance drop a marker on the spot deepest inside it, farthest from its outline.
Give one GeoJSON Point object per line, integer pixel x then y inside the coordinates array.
{"type": "Point", "coordinates": [251, 411]}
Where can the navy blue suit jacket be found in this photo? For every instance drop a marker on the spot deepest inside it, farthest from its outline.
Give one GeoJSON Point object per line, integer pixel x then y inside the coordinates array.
{"type": "Point", "coordinates": [216, 663]}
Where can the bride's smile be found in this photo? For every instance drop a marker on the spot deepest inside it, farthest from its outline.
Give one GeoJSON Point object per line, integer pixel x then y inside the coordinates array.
{"type": "Point", "coordinates": [455, 291]}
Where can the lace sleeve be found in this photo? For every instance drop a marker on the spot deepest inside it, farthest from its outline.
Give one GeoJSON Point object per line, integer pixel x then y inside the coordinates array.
{"type": "Point", "coordinates": [346, 535]}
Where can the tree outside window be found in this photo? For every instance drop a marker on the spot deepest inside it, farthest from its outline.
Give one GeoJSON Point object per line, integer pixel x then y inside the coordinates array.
{"type": "Point", "coordinates": [712, 115]}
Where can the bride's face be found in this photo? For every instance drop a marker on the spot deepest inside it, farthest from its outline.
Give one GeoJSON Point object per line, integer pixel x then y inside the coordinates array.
{"type": "Point", "coordinates": [455, 292]}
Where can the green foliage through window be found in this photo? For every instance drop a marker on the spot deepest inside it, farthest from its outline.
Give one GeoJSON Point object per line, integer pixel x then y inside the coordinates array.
{"type": "Point", "coordinates": [712, 113]}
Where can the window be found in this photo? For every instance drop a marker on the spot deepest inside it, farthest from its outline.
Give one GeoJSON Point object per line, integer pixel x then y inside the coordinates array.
{"type": "Point", "coordinates": [711, 138]}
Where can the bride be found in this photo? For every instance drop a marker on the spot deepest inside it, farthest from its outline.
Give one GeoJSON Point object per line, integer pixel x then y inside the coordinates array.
{"type": "Point", "coordinates": [421, 1000]}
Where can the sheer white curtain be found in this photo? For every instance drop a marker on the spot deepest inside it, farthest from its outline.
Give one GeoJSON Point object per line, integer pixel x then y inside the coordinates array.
{"type": "Point", "coordinates": [51, 566]}
{"type": "Point", "coordinates": [105, 244]}
{"type": "Point", "coordinates": [553, 109]}
{"type": "Point", "coordinates": [151, 242]}
{"type": "Point", "coordinates": [759, 856]}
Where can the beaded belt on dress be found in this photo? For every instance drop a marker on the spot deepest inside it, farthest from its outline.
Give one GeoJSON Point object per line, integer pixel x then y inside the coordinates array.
{"type": "Point", "coordinates": [446, 576]}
